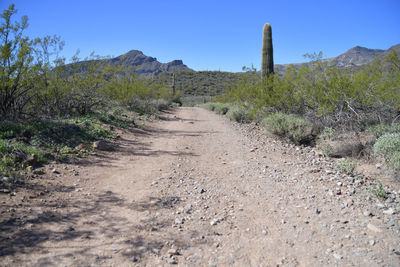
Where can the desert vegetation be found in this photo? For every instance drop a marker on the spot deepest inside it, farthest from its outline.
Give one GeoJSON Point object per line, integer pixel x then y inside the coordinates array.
{"type": "Point", "coordinates": [306, 104]}
{"type": "Point", "coordinates": [50, 109]}
{"type": "Point", "coordinates": [319, 102]}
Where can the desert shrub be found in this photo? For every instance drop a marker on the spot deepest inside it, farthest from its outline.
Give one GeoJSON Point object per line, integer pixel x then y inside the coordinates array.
{"type": "Point", "coordinates": [287, 125]}
{"type": "Point", "coordinates": [160, 104]}
{"type": "Point", "coordinates": [383, 128]}
{"type": "Point", "coordinates": [239, 114]}
{"type": "Point", "coordinates": [327, 133]}
{"type": "Point", "coordinates": [379, 191]}
{"type": "Point", "coordinates": [347, 165]}
{"type": "Point", "coordinates": [388, 147]}
{"type": "Point", "coordinates": [325, 94]}
{"type": "Point", "coordinates": [221, 108]}
{"type": "Point", "coordinates": [209, 106]}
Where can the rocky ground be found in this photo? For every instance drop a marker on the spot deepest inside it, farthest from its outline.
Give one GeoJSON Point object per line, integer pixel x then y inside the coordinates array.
{"type": "Point", "coordinates": [195, 189]}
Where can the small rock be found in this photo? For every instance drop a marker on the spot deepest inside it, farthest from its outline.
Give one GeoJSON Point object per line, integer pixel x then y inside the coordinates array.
{"type": "Point", "coordinates": [214, 221]}
{"type": "Point", "coordinates": [178, 221]}
{"type": "Point", "coordinates": [337, 256]}
{"type": "Point", "coordinates": [38, 172]}
{"type": "Point", "coordinates": [7, 179]}
{"type": "Point", "coordinates": [32, 159]}
{"type": "Point", "coordinates": [101, 145]}
{"type": "Point", "coordinates": [392, 222]}
{"type": "Point", "coordinates": [373, 228]}
{"type": "Point", "coordinates": [264, 232]}
{"type": "Point", "coordinates": [372, 242]}
{"type": "Point", "coordinates": [37, 212]}
{"type": "Point", "coordinates": [173, 251]}
{"type": "Point", "coordinates": [134, 259]}
{"type": "Point", "coordinates": [6, 191]}
{"type": "Point", "coordinates": [80, 147]}
{"type": "Point", "coordinates": [367, 213]}
{"type": "Point", "coordinates": [389, 211]}
{"type": "Point", "coordinates": [201, 190]}
{"type": "Point", "coordinates": [54, 170]}
{"type": "Point", "coordinates": [172, 261]}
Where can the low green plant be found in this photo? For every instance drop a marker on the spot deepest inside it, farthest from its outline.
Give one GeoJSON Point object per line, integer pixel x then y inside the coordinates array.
{"type": "Point", "coordinates": [379, 191]}
{"type": "Point", "coordinates": [66, 150]}
{"type": "Point", "coordinates": [388, 147]}
{"type": "Point", "coordinates": [222, 108]}
{"type": "Point", "coordinates": [288, 126]}
{"type": "Point", "coordinates": [327, 133]}
{"type": "Point", "coordinates": [347, 165]}
{"type": "Point", "coordinates": [383, 128]}
{"type": "Point", "coordinates": [239, 114]}
{"type": "Point", "coordinates": [209, 106]}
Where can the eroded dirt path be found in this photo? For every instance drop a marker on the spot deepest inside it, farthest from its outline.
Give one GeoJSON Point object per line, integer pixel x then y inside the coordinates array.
{"type": "Point", "coordinates": [195, 189]}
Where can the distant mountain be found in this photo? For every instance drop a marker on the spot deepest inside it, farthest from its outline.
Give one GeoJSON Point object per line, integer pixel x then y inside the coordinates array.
{"type": "Point", "coordinates": [355, 56]}
{"type": "Point", "coordinates": [352, 58]}
{"type": "Point", "coordinates": [145, 66]}
{"type": "Point", "coordinates": [215, 82]}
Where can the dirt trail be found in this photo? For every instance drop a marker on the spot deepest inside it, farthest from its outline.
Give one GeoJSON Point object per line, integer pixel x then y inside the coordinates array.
{"type": "Point", "coordinates": [195, 189]}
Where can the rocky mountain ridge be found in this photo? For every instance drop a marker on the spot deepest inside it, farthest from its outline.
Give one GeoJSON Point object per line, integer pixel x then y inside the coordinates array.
{"type": "Point", "coordinates": [354, 57]}
{"type": "Point", "coordinates": [149, 67]}
{"type": "Point", "coordinates": [145, 66]}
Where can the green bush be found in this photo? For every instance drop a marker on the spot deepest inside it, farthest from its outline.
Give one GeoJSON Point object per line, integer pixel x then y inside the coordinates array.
{"type": "Point", "coordinates": [222, 108]}
{"type": "Point", "coordinates": [383, 128]}
{"type": "Point", "coordinates": [239, 114]}
{"type": "Point", "coordinates": [347, 165]}
{"type": "Point", "coordinates": [379, 191]}
{"type": "Point", "coordinates": [388, 147]}
{"type": "Point", "coordinates": [322, 92]}
{"type": "Point", "coordinates": [208, 106]}
{"type": "Point", "coordinates": [288, 125]}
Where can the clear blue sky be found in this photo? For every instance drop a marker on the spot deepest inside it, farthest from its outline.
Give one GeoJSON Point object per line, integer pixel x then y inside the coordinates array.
{"type": "Point", "coordinates": [213, 35]}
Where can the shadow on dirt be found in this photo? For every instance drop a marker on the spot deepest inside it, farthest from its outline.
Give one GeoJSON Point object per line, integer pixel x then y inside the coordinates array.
{"type": "Point", "coordinates": [42, 219]}
{"type": "Point", "coordinates": [29, 228]}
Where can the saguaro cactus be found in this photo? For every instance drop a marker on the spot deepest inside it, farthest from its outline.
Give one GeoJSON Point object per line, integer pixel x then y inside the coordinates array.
{"type": "Point", "coordinates": [267, 61]}
{"type": "Point", "coordinates": [173, 84]}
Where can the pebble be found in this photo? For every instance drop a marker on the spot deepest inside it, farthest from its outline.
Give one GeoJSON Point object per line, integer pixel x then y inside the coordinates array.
{"type": "Point", "coordinates": [214, 221]}
{"type": "Point", "coordinates": [264, 232]}
{"type": "Point", "coordinates": [373, 228]}
{"type": "Point", "coordinates": [367, 213]}
{"type": "Point", "coordinates": [178, 221]}
{"type": "Point", "coordinates": [172, 261]}
{"type": "Point", "coordinates": [337, 256]}
{"type": "Point", "coordinates": [389, 211]}
{"type": "Point", "coordinates": [173, 251]}
{"type": "Point", "coordinates": [7, 179]}
{"type": "Point", "coordinates": [201, 191]}
{"type": "Point", "coordinates": [392, 222]}
{"type": "Point", "coordinates": [133, 259]}
{"type": "Point", "coordinates": [372, 242]}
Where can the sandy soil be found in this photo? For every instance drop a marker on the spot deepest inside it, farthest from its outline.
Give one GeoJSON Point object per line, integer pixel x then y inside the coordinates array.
{"type": "Point", "coordinates": [195, 189]}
